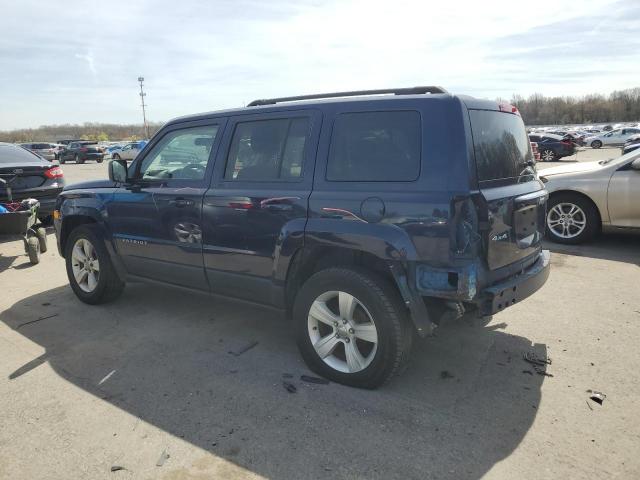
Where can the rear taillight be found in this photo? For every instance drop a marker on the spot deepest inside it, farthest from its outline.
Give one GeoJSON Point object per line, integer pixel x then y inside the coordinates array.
{"type": "Point", "coordinates": [54, 172]}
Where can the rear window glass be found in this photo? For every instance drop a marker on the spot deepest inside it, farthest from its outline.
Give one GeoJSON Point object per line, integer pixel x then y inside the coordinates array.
{"type": "Point", "coordinates": [40, 146]}
{"type": "Point", "coordinates": [14, 154]}
{"type": "Point", "coordinates": [375, 147]}
{"type": "Point", "coordinates": [501, 145]}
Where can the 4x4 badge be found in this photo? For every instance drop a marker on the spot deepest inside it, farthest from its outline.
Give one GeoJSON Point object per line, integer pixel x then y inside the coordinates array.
{"type": "Point", "coordinates": [500, 237]}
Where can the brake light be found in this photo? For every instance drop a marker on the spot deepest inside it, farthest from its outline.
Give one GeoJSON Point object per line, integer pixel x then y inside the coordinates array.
{"type": "Point", "coordinates": [54, 172]}
{"type": "Point", "coordinates": [508, 108]}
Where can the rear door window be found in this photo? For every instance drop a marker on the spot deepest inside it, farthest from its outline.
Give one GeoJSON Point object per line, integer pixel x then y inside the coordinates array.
{"type": "Point", "coordinates": [375, 147]}
{"type": "Point", "coordinates": [502, 149]}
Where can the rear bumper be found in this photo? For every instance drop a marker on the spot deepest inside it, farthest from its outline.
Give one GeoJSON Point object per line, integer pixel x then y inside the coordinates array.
{"type": "Point", "coordinates": [499, 296]}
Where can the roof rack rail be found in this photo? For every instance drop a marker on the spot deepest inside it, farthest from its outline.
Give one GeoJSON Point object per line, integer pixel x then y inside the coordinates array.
{"type": "Point", "coordinates": [355, 93]}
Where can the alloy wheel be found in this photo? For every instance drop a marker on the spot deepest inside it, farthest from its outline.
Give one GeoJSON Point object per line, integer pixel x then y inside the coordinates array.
{"type": "Point", "coordinates": [342, 331]}
{"type": "Point", "coordinates": [566, 220]}
{"type": "Point", "coordinates": [548, 156]}
{"type": "Point", "coordinates": [85, 265]}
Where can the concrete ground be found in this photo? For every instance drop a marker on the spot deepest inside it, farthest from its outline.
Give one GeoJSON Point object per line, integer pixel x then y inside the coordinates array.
{"type": "Point", "coordinates": [147, 383]}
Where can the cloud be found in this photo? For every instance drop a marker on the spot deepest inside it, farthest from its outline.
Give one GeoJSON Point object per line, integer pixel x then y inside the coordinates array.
{"type": "Point", "coordinates": [90, 62]}
{"type": "Point", "coordinates": [198, 55]}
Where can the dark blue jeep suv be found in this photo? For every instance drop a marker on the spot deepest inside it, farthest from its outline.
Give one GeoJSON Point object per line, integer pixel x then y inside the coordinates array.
{"type": "Point", "coordinates": [367, 216]}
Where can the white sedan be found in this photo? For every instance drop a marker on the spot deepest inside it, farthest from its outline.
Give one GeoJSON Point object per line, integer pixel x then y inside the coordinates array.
{"type": "Point", "coordinates": [589, 196]}
{"type": "Point", "coordinates": [614, 138]}
{"type": "Point", "coordinates": [127, 152]}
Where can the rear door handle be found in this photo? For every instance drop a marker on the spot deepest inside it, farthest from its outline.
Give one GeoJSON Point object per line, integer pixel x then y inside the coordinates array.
{"type": "Point", "coordinates": [181, 202]}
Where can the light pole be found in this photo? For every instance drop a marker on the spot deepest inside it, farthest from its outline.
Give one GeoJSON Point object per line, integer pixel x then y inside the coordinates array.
{"type": "Point", "coordinates": [144, 113]}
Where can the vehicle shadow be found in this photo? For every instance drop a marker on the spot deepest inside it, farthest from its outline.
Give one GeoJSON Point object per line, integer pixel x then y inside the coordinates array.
{"type": "Point", "coordinates": [617, 247]}
{"type": "Point", "coordinates": [465, 403]}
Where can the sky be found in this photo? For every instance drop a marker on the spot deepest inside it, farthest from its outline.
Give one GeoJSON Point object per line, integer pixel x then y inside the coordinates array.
{"type": "Point", "coordinates": [78, 61]}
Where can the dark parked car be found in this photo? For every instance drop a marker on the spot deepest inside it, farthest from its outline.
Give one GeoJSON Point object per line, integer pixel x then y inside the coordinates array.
{"type": "Point", "coordinates": [632, 143]}
{"type": "Point", "coordinates": [34, 177]}
{"type": "Point", "coordinates": [366, 220]}
{"type": "Point", "coordinates": [81, 152]}
{"type": "Point", "coordinates": [553, 147]}
{"type": "Point", "coordinates": [45, 150]}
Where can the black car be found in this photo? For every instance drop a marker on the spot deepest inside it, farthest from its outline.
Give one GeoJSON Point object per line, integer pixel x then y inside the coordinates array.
{"type": "Point", "coordinates": [81, 152]}
{"type": "Point", "coordinates": [632, 143]}
{"type": "Point", "coordinates": [365, 220]}
{"type": "Point", "coordinates": [32, 177]}
{"type": "Point", "coordinates": [553, 147]}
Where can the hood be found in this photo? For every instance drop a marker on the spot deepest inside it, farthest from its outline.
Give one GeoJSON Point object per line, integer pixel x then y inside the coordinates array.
{"type": "Point", "coordinates": [90, 184]}
{"type": "Point", "coordinates": [577, 167]}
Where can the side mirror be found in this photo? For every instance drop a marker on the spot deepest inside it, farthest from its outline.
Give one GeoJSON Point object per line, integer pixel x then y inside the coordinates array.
{"type": "Point", "coordinates": [118, 171]}
{"type": "Point", "coordinates": [635, 165]}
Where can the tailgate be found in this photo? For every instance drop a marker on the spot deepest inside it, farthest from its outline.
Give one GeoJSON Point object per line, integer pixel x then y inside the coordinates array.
{"type": "Point", "coordinates": [516, 223]}
{"type": "Point", "coordinates": [514, 199]}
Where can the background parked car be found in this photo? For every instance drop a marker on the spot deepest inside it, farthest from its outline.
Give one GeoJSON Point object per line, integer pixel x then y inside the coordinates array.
{"type": "Point", "coordinates": [81, 152]}
{"type": "Point", "coordinates": [612, 138]}
{"type": "Point", "coordinates": [35, 177]}
{"type": "Point", "coordinates": [553, 147]}
{"type": "Point", "coordinates": [47, 151]}
{"type": "Point", "coordinates": [587, 196]}
{"type": "Point", "coordinates": [632, 143]}
{"type": "Point", "coordinates": [127, 152]}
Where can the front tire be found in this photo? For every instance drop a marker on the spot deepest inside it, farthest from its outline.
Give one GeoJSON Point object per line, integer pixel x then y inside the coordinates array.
{"type": "Point", "coordinates": [596, 144]}
{"type": "Point", "coordinates": [33, 250]}
{"type": "Point", "coordinates": [89, 269]}
{"type": "Point", "coordinates": [571, 219]}
{"type": "Point", "coordinates": [351, 327]}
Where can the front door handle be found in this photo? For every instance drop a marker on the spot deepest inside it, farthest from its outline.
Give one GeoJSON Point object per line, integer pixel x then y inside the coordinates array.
{"type": "Point", "coordinates": [181, 202]}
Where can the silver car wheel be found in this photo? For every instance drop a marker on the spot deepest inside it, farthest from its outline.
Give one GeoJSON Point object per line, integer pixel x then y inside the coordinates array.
{"type": "Point", "coordinates": [566, 220]}
{"type": "Point", "coordinates": [342, 332]}
{"type": "Point", "coordinates": [85, 265]}
{"type": "Point", "coordinates": [548, 156]}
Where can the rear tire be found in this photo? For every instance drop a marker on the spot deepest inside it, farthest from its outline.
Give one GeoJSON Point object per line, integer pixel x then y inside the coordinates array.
{"type": "Point", "coordinates": [41, 234]}
{"type": "Point", "coordinates": [115, 156]}
{"type": "Point", "coordinates": [33, 250]}
{"type": "Point", "coordinates": [596, 144]}
{"type": "Point", "coordinates": [578, 211]}
{"type": "Point", "coordinates": [108, 286]}
{"type": "Point", "coordinates": [378, 329]}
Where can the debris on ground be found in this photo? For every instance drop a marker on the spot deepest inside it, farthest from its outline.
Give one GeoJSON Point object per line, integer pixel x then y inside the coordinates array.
{"type": "Point", "coordinates": [36, 320]}
{"type": "Point", "coordinates": [116, 468]}
{"type": "Point", "coordinates": [244, 349]}
{"type": "Point", "coordinates": [597, 397]}
{"type": "Point", "coordinates": [290, 387]}
{"type": "Point", "coordinates": [318, 380]}
{"type": "Point", "coordinates": [106, 377]}
{"type": "Point", "coordinates": [539, 364]}
{"type": "Point", "coordinates": [444, 374]}
{"type": "Point", "coordinates": [46, 304]}
{"type": "Point", "coordinates": [163, 458]}
{"type": "Point", "coordinates": [532, 358]}
{"type": "Point", "coordinates": [528, 372]}
{"type": "Point", "coordinates": [588, 405]}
